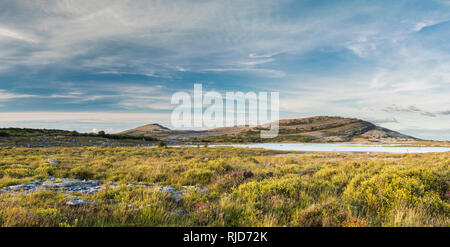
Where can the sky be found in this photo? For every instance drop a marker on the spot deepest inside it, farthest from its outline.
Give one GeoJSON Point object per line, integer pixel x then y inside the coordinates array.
{"type": "Point", "coordinates": [113, 65]}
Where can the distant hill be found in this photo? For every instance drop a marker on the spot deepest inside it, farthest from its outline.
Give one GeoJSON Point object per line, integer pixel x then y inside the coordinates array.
{"type": "Point", "coordinates": [21, 132]}
{"type": "Point", "coordinates": [312, 129]}
{"type": "Point", "coordinates": [33, 132]}
{"type": "Point", "coordinates": [147, 130]}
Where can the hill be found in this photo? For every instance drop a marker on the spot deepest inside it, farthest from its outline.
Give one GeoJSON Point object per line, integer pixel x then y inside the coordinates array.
{"type": "Point", "coordinates": [147, 130]}
{"type": "Point", "coordinates": [312, 129]}
{"type": "Point", "coordinates": [27, 137]}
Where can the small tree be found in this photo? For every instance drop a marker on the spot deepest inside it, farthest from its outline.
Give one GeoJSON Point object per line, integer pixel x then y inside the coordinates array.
{"type": "Point", "coordinates": [101, 133]}
{"type": "Point", "coordinates": [74, 133]}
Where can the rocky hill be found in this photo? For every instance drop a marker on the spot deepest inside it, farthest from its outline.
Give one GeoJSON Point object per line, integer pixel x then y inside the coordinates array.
{"type": "Point", "coordinates": [312, 129]}
{"type": "Point", "coordinates": [147, 130]}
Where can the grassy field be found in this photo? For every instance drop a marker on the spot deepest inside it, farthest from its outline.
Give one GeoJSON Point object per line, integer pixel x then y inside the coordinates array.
{"type": "Point", "coordinates": [230, 187]}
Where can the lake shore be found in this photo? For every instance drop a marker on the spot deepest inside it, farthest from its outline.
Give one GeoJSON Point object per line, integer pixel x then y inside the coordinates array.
{"type": "Point", "coordinates": [340, 147]}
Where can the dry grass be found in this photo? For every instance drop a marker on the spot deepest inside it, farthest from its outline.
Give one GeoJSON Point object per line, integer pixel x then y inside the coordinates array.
{"type": "Point", "coordinates": [245, 188]}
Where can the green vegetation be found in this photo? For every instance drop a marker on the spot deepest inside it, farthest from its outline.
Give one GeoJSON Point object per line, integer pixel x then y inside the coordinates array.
{"type": "Point", "coordinates": [253, 137]}
{"type": "Point", "coordinates": [162, 144]}
{"type": "Point", "coordinates": [244, 187]}
{"type": "Point", "coordinates": [20, 132]}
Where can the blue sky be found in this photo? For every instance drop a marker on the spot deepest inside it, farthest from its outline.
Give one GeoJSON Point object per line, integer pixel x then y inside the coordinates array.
{"type": "Point", "coordinates": [114, 65]}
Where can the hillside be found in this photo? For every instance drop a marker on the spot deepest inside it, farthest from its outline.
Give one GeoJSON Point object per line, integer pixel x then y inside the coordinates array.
{"type": "Point", "coordinates": [27, 137]}
{"type": "Point", "coordinates": [33, 132]}
{"type": "Point", "coordinates": [312, 129]}
{"type": "Point", "coordinates": [146, 130]}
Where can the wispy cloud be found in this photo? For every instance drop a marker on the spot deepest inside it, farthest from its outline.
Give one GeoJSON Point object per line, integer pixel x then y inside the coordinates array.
{"type": "Point", "coordinates": [428, 23]}
{"type": "Point", "coordinates": [83, 121]}
{"type": "Point", "coordinates": [7, 33]}
{"type": "Point", "coordinates": [382, 120]}
{"type": "Point", "coordinates": [6, 95]}
{"type": "Point", "coordinates": [410, 109]}
{"type": "Point", "coordinates": [79, 116]}
{"type": "Point", "coordinates": [268, 72]}
{"type": "Point", "coordinates": [445, 112]}
{"type": "Point", "coordinates": [324, 58]}
{"type": "Point", "coordinates": [256, 62]}
{"type": "Point", "coordinates": [253, 55]}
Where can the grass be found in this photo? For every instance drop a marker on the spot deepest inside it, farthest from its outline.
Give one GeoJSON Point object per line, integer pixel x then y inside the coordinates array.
{"type": "Point", "coordinates": [244, 187]}
{"type": "Point", "coordinates": [253, 137]}
{"type": "Point", "coordinates": [21, 137]}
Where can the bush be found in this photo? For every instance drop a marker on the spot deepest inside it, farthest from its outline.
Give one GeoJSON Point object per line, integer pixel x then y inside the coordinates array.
{"type": "Point", "coordinates": [382, 194]}
{"type": "Point", "coordinates": [46, 170]}
{"type": "Point", "coordinates": [260, 191]}
{"type": "Point", "coordinates": [162, 144]}
{"type": "Point", "coordinates": [319, 215]}
{"type": "Point", "coordinates": [198, 176]}
{"type": "Point", "coordinates": [82, 172]}
{"type": "Point", "coordinates": [18, 172]}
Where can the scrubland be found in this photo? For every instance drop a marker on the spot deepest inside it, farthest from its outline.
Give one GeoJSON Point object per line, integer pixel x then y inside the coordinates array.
{"type": "Point", "coordinates": [240, 187]}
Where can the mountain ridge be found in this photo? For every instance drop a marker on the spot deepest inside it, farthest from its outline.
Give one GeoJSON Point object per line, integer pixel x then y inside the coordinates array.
{"type": "Point", "coordinates": [310, 129]}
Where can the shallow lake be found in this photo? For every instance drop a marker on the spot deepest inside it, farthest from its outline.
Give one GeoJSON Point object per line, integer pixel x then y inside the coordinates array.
{"type": "Point", "coordinates": [347, 147]}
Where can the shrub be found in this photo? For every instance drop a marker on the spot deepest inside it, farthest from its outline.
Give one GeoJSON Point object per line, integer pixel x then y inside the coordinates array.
{"type": "Point", "coordinates": [18, 172]}
{"type": "Point", "coordinates": [383, 194]}
{"type": "Point", "coordinates": [198, 176]}
{"type": "Point", "coordinates": [82, 172]}
{"type": "Point", "coordinates": [318, 215]}
{"type": "Point", "coordinates": [162, 144]}
{"type": "Point", "coordinates": [46, 170]}
{"type": "Point", "coordinates": [259, 191]}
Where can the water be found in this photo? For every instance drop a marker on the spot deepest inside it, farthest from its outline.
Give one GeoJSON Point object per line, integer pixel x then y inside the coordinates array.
{"type": "Point", "coordinates": [347, 147]}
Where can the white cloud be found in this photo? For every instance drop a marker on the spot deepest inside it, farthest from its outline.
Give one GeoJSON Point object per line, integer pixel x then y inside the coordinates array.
{"type": "Point", "coordinates": [382, 120]}
{"type": "Point", "coordinates": [107, 130]}
{"type": "Point", "coordinates": [427, 23]}
{"type": "Point", "coordinates": [7, 33]}
{"type": "Point", "coordinates": [394, 63]}
{"type": "Point", "coordinates": [267, 72]}
{"type": "Point", "coordinates": [256, 62]}
{"type": "Point", "coordinates": [6, 95]}
{"type": "Point", "coordinates": [182, 69]}
{"type": "Point", "coordinates": [80, 116]}
{"type": "Point", "coordinates": [253, 55]}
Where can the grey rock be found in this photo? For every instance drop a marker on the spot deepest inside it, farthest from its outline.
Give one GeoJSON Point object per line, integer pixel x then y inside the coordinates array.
{"type": "Point", "coordinates": [78, 202]}
{"type": "Point", "coordinates": [192, 187]}
{"type": "Point", "coordinates": [53, 161]}
{"type": "Point", "coordinates": [168, 190]}
{"type": "Point", "coordinates": [64, 185]}
{"type": "Point", "coordinates": [176, 197]}
{"type": "Point", "coordinates": [37, 181]}
{"type": "Point", "coordinates": [177, 212]}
